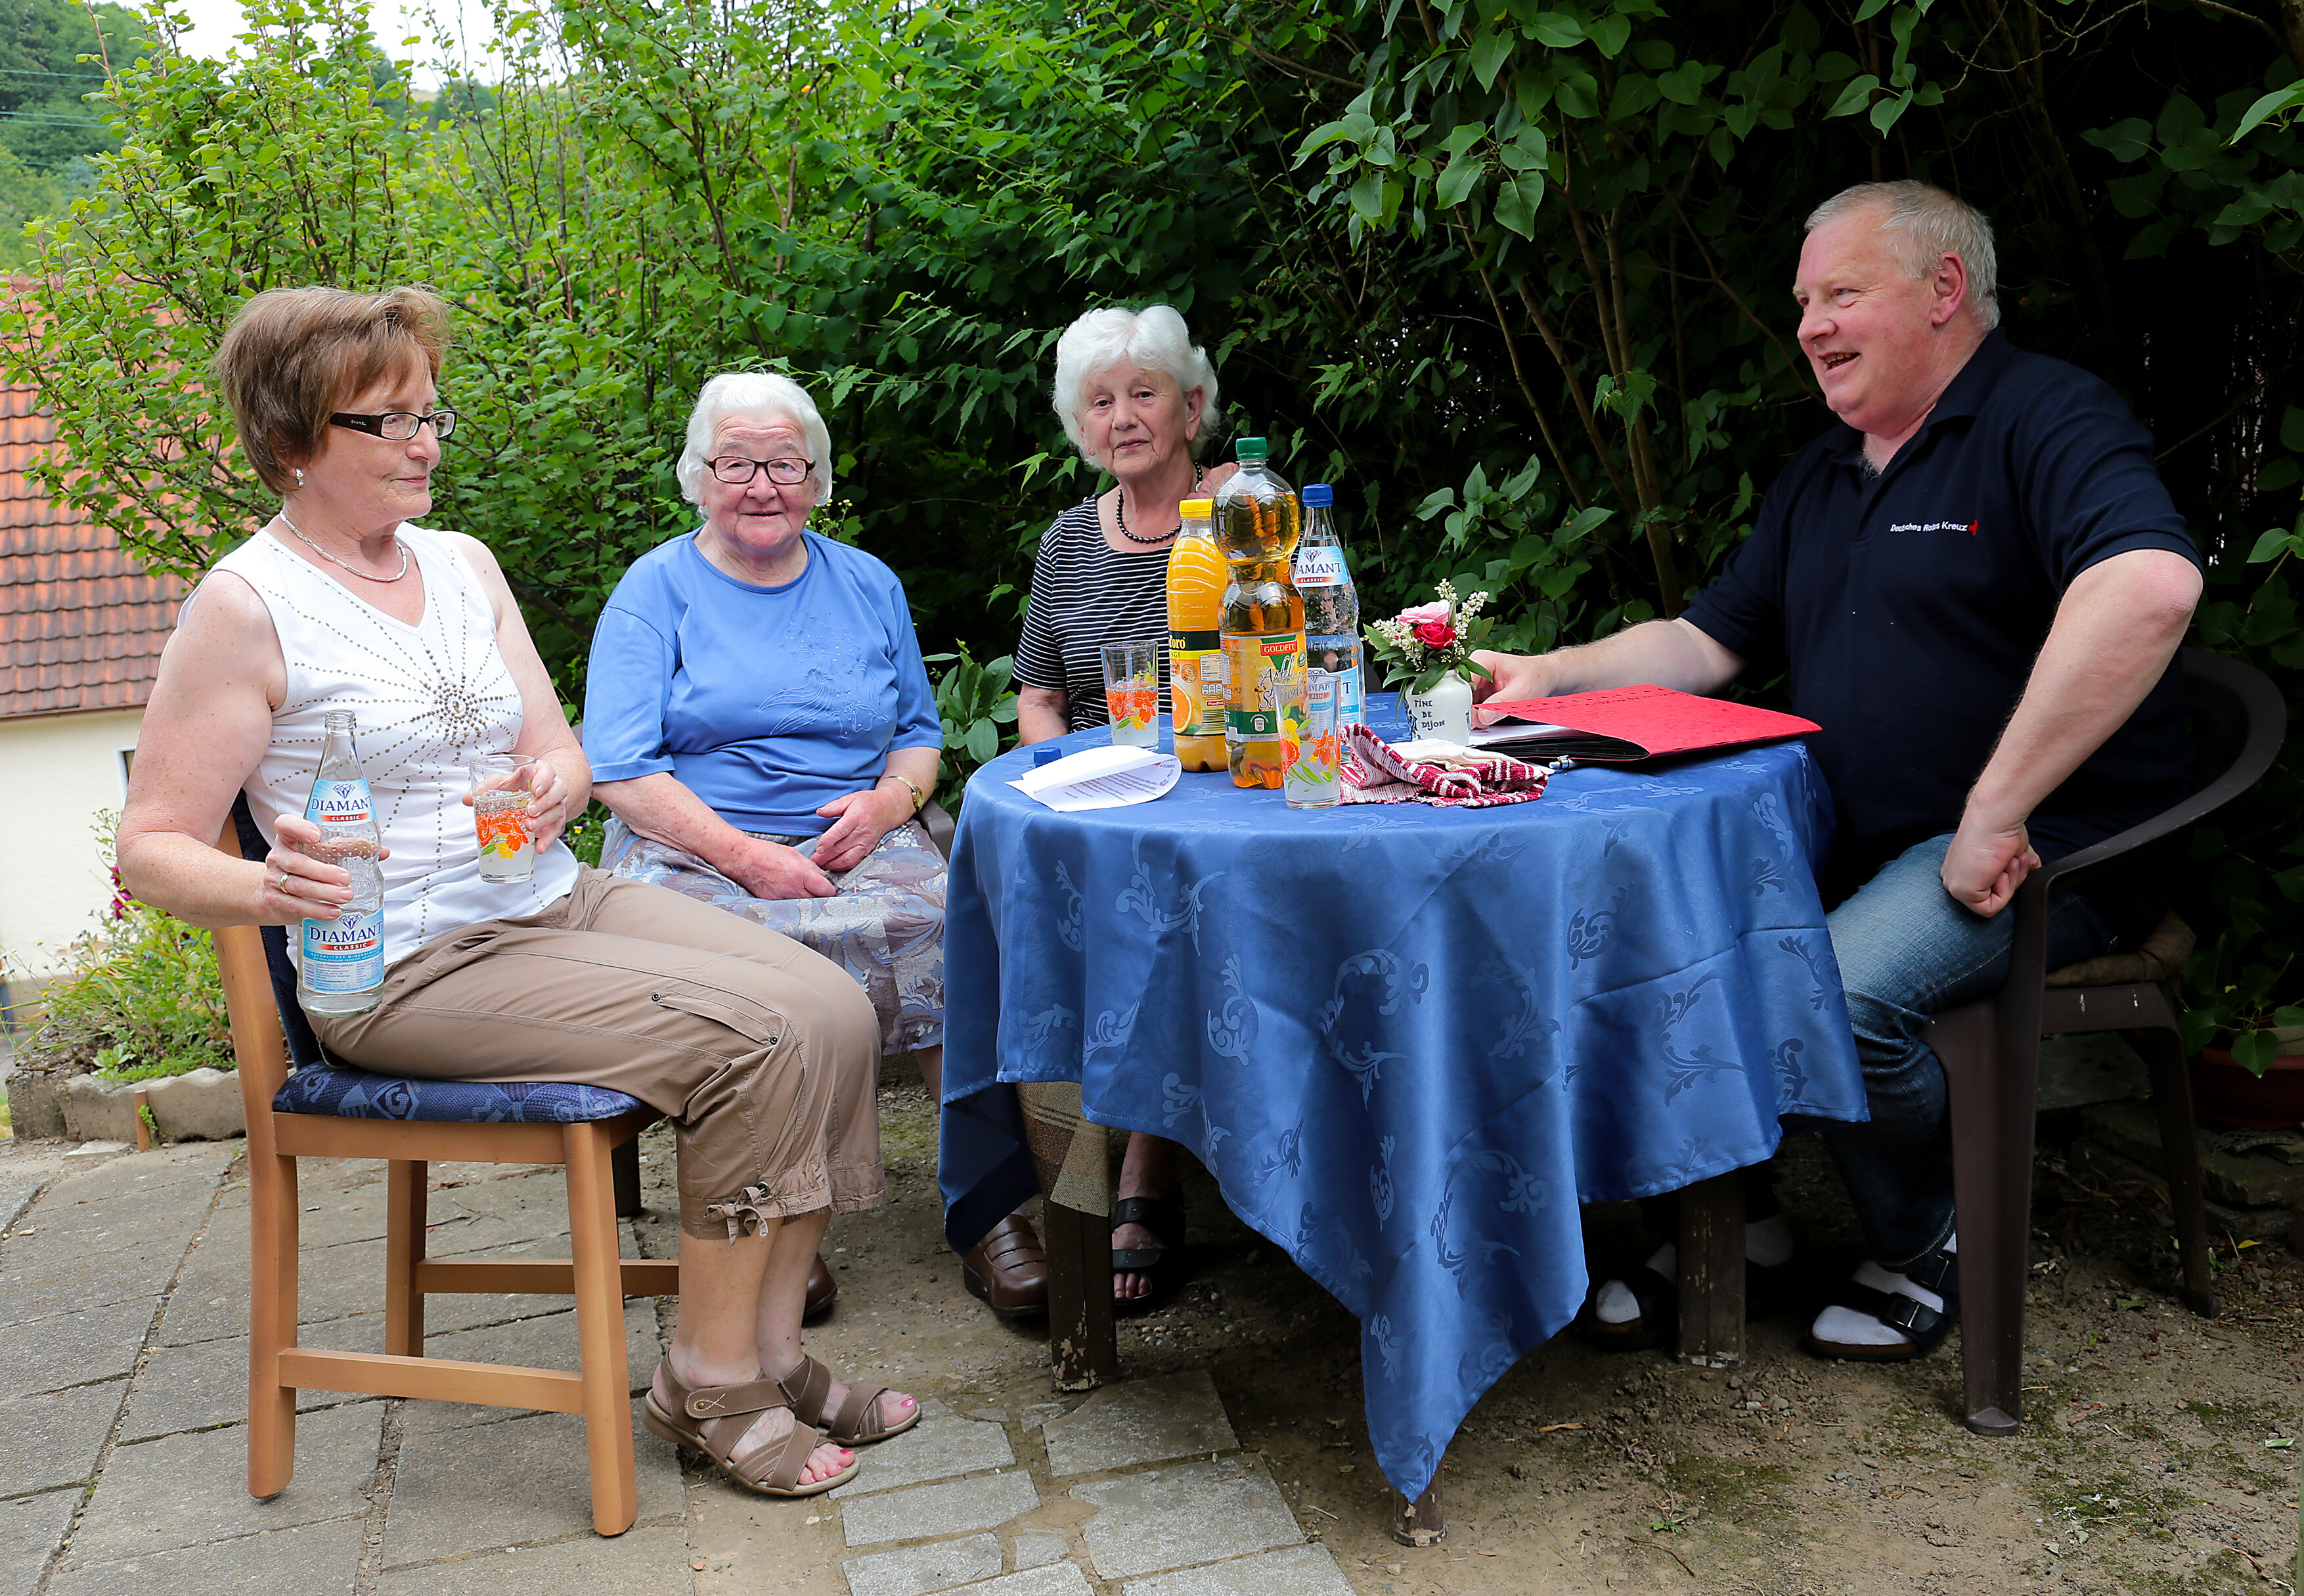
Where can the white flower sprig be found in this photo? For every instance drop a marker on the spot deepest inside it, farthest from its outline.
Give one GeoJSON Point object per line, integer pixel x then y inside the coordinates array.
{"type": "Point", "coordinates": [1432, 639]}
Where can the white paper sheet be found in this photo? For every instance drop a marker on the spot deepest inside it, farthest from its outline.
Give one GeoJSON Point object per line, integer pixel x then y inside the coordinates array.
{"type": "Point", "coordinates": [1101, 778]}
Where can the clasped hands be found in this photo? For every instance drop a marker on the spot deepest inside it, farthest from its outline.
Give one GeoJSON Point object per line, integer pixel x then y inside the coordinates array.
{"type": "Point", "coordinates": [860, 819]}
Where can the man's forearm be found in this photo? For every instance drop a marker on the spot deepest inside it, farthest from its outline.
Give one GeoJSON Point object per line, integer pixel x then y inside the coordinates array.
{"type": "Point", "coordinates": [1664, 653]}
{"type": "Point", "coordinates": [2119, 625]}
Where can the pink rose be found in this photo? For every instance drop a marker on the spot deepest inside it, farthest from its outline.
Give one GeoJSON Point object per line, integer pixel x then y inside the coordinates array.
{"type": "Point", "coordinates": [1423, 613]}
{"type": "Point", "coordinates": [1436, 634]}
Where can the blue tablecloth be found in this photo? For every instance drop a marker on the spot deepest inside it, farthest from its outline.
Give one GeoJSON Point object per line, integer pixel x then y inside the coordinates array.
{"type": "Point", "coordinates": [1407, 1042]}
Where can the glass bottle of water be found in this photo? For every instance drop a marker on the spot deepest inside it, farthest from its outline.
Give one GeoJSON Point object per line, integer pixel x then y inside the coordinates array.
{"type": "Point", "coordinates": [1331, 607]}
{"type": "Point", "coordinates": [340, 970]}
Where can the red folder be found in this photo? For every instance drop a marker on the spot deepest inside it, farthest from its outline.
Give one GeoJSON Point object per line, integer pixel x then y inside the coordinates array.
{"type": "Point", "coordinates": [1623, 724]}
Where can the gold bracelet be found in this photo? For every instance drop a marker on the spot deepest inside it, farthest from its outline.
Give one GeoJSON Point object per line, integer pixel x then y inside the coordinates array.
{"type": "Point", "coordinates": [919, 799]}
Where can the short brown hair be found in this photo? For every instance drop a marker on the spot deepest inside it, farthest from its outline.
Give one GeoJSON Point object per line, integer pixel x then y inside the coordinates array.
{"type": "Point", "coordinates": [294, 355]}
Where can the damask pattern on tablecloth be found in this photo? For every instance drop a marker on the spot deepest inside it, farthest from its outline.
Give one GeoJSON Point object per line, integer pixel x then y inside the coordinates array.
{"type": "Point", "coordinates": [1407, 1044]}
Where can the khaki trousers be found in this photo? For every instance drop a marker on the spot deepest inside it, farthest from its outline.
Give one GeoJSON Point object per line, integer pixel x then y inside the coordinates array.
{"type": "Point", "coordinates": [764, 1054]}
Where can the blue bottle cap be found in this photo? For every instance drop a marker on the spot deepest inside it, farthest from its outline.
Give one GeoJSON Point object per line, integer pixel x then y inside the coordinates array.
{"type": "Point", "coordinates": [1045, 755]}
{"type": "Point", "coordinates": [1318, 495]}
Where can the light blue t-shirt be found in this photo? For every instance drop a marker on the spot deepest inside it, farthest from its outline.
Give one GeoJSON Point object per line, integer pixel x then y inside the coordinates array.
{"type": "Point", "coordinates": [766, 702]}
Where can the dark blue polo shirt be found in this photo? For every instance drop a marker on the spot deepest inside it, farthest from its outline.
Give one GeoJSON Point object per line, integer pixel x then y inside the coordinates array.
{"type": "Point", "coordinates": [1909, 607]}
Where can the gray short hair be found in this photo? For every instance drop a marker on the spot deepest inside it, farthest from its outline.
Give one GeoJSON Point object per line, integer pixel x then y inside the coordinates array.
{"type": "Point", "coordinates": [1924, 224]}
{"type": "Point", "coordinates": [755, 394]}
{"type": "Point", "coordinates": [1155, 337]}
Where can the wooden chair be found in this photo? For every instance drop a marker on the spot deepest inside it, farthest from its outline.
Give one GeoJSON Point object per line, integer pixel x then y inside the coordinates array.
{"type": "Point", "coordinates": [578, 1127]}
{"type": "Point", "coordinates": [1991, 1052]}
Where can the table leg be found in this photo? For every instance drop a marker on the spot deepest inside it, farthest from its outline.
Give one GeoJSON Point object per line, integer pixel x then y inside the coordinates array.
{"type": "Point", "coordinates": [1081, 1339]}
{"type": "Point", "coordinates": [1417, 1522]}
{"type": "Point", "coordinates": [1712, 1271]}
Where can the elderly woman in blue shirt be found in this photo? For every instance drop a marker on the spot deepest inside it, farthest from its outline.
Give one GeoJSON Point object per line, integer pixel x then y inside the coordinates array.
{"type": "Point", "coordinates": [760, 724]}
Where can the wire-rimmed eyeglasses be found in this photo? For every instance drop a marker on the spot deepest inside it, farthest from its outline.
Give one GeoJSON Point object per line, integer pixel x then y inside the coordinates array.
{"type": "Point", "coordinates": [397, 426]}
{"type": "Point", "coordinates": [736, 469]}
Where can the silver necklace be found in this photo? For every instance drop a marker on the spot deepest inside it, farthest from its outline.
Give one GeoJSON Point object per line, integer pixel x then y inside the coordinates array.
{"type": "Point", "coordinates": [1199, 476]}
{"type": "Point", "coordinates": [332, 559]}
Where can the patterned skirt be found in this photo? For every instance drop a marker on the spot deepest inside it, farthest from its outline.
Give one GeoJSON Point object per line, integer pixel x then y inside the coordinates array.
{"type": "Point", "coordinates": [885, 926]}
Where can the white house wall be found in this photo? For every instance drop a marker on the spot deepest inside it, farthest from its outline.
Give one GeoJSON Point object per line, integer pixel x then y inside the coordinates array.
{"type": "Point", "coordinates": [56, 772]}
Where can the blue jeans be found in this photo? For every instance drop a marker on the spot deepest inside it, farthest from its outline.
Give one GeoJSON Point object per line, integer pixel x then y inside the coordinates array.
{"type": "Point", "coordinates": [1906, 950]}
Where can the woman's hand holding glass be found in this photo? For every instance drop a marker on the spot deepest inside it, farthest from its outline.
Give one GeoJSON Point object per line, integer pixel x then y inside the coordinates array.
{"type": "Point", "coordinates": [548, 809]}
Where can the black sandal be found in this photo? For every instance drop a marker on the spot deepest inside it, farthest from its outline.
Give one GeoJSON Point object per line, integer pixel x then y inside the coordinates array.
{"type": "Point", "coordinates": [1163, 1217]}
{"type": "Point", "coordinates": [1924, 1328]}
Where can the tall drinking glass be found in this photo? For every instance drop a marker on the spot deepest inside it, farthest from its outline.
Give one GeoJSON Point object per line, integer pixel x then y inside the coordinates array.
{"type": "Point", "coordinates": [502, 784]}
{"type": "Point", "coordinates": [1131, 694]}
{"type": "Point", "coordinates": [1312, 739]}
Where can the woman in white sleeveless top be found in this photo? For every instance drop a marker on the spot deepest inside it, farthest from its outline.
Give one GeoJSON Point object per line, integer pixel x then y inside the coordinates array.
{"type": "Point", "coordinates": [762, 1052]}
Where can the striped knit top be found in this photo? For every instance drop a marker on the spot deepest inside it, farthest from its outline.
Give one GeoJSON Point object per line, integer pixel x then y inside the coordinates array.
{"type": "Point", "coordinates": [1085, 595]}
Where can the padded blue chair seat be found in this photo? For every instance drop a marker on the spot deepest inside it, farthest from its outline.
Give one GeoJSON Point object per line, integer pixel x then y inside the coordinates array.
{"type": "Point", "coordinates": [349, 1093]}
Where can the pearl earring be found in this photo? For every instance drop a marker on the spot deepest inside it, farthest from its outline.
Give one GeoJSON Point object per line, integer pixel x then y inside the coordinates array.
{"type": "Point", "coordinates": [300, 475]}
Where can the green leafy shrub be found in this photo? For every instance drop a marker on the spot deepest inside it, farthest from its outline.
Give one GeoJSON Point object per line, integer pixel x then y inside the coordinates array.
{"type": "Point", "coordinates": [977, 706]}
{"type": "Point", "coordinates": [141, 998]}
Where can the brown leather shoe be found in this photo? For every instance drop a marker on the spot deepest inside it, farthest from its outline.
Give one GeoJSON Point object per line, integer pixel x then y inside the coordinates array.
{"type": "Point", "coordinates": [1008, 1270]}
{"type": "Point", "coordinates": [821, 1289]}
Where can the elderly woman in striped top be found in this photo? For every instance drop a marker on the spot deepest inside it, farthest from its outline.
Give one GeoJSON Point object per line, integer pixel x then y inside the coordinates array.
{"type": "Point", "coordinates": [1137, 399]}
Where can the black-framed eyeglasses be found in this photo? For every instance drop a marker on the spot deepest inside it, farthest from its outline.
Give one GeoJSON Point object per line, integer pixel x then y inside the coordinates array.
{"type": "Point", "coordinates": [398, 426]}
{"type": "Point", "coordinates": [737, 470]}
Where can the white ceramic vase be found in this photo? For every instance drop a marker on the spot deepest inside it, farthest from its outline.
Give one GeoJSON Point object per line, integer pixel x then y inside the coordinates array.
{"type": "Point", "coordinates": [1445, 713]}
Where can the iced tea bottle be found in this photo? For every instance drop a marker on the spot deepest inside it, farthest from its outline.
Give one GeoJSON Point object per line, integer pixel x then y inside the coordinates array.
{"type": "Point", "coordinates": [1198, 695]}
{"type": "Point", "coordinates": [1262, 621]}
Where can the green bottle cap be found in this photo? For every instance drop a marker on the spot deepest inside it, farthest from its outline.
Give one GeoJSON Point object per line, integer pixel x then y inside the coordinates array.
{"type": "Point", "coordinates": [1250, 449]}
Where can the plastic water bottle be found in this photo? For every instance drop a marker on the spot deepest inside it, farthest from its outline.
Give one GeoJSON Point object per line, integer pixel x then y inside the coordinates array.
{"type": "Point", "coordinates": [1332, 606]}
{"type": "Point", "coordinates": [340, 970]}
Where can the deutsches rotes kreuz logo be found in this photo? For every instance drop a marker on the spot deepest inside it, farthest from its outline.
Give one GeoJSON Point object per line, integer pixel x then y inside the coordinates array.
{"type": "Point", "coordinates": [1969, 526]}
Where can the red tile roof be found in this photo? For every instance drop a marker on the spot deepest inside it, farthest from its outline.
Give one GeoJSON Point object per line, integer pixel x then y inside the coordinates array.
{"type": "Point", "coordinates": [80, 623]}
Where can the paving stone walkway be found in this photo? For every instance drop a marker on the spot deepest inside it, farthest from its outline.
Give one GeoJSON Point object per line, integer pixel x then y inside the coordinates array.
{"type": "Point", "coordinates": [123, 1283]}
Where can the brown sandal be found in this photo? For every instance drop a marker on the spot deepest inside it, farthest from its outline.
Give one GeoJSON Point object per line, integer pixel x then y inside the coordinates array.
{"type": "Point", "coordinates": [714, 1418]}
{"type": "Point", "coordinates": [858, 1423]}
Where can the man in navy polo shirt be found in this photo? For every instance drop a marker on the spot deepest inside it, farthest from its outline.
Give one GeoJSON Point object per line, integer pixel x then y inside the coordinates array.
{"type": "Point", "coordinates": [1977, 584]}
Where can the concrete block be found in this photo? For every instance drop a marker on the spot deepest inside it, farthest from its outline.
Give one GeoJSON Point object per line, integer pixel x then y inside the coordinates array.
{"type": "Point", "coordinates": [653, 1561]}
{"type": "Point", "coordinates": [52, 1440]}
{"type": "Point", "coordinates": [950, 1508]}
{"type": "Point", "coordinates": [65, 1260]}
{"type": "Point", "coordinates": [2240, 1180]}
{"type": "Point", "coordinates": [918, 1570]}
{"type": "Point", "coordinates": [313, 1559]}
{"type": "Point", "coordinates": [205, 1384]}
{"type": "Point", "coordinates": [141, 1175]}
{"type": "Point", "coordinates": [99, 1110]}
{"type": "Point", "coordinates": [72, 1349]}
{"type": "Point", "coordinates": [90, 1152]}
{"type": "Point", "coordinates": [1056, 1579]}
{"type": "Point", "coordinates": [1293, 1571]}
{"type": "Point", "coordinates": [36, 1105]}
{"type": "Point", "coordinates": [30, 1529]}
{"type": "Point", "coordinates": [1033, 1550]}
{"type": "Point", "coordinates": [203, 1104]}
{"type": "Point", "coordinates": [1191, 1513]}
{"type": "Point", "coordinates": [2244, 1224]}
{"type": "Point", "coordinates": [546, 1341]}
{"type": "Point", "coordinates": [1142, 1421]}
{"type": "Point", "coordinates": [185, 1489]}
{"type": "Point", "coordinates": [518, 1479]}
{"type": "Point", "coordinates": [20, 1181]}
{"type": "Point", "coordinates": [943, 1444]}
{"type": "Point", "coordinates": [2092, 1067]}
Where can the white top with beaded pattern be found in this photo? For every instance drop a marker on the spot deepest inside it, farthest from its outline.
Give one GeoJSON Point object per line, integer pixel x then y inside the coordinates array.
{"type": "Point", "coordinates": [428, 697]}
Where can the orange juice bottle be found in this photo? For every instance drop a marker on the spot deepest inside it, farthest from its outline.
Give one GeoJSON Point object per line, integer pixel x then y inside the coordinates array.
{"type": "Point", "coordinates": [1198, 696]}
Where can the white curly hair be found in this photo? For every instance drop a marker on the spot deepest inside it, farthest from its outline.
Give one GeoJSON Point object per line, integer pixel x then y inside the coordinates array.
{"type": "Point", "coordinates": [1154, 338]}
{"type": "Point", "coordinates": [758, 395]}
